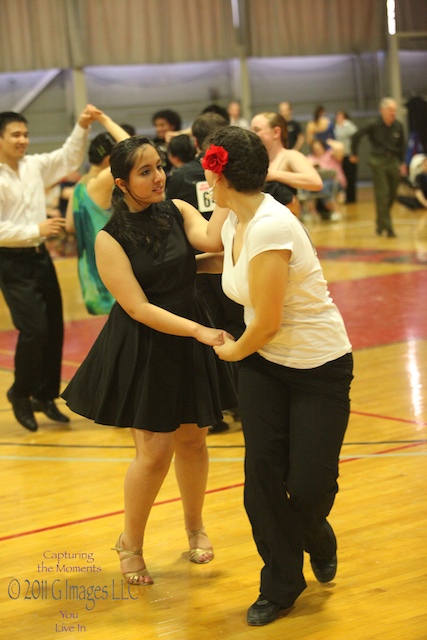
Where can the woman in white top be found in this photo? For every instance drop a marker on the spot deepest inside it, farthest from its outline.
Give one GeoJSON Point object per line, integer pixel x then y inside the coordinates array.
{"type": "Point", "coordinates": [295, 369]}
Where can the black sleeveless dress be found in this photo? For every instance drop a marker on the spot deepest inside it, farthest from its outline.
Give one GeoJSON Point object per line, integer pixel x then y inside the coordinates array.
{"type": "Point", "coordinates": [135, 376]}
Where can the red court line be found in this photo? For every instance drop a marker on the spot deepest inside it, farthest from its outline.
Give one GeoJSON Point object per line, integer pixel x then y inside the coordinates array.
{"type": "Point", "coordinates": [107, 515]}
{"type": "Point", "coordinates": [380, 453]}
{"type": "Point", "coordinates": [171, 500]}
{"type": "Point", "coordinates": [377, 310]}
{"type": "Point", "coordinates": [420, 423]}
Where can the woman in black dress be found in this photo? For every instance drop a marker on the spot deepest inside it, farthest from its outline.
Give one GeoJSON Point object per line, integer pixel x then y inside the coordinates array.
{"type": "Point", "coordinates": [153, 368]}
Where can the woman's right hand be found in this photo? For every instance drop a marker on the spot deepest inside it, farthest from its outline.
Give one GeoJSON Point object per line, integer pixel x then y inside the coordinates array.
{"type": "Point", "coordinates": [208, 335]}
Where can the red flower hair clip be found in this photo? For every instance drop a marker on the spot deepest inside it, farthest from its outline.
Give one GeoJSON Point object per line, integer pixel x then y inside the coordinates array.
{"type": "Point", "coordinates": [215, 159]}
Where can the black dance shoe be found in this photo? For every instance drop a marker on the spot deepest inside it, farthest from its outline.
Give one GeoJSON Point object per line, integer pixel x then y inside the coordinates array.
{"type": "Point", "coordinates": [324, 570]}
{"type": "Point", "coordinates": [49, 408]}
{"type": "Point", "coordinates": [262, 612]}
{"type": "Point", "coordinates": [23, 411]}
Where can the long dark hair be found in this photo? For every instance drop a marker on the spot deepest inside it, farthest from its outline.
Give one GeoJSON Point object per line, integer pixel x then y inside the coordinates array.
{"type": "Point", "coordinates": [148, 228]}
{"type": "Point", "coordinates": [318, 112]}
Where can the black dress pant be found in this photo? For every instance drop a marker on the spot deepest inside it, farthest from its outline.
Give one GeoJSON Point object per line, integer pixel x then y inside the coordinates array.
{"type": "Point", "coordinates": [350, 172]}
{"type": "Point", "coordinates": [386, 178]}
{"type": "Point", "coordinates": [30, 287]}
{"type": "Point", "coordinates": [294, 421]}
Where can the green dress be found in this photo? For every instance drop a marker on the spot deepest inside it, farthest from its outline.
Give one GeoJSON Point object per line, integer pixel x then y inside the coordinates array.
{"type": "Point", "coordinates": [89, 218]}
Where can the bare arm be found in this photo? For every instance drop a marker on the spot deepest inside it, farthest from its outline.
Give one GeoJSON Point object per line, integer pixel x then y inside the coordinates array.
{"type": "Point", "coordinates": [171, 134]}
{"type": "Point", "coordinates": [100, 187]}
{"type": "Point", "coordinates": [268, 277]}
{"type": "Point", "coordinates": [298, 172]}
{"type": "Point", "coordinates": [202, 235]}
{"type": "Point", "coordinates": [309, 132]}
{"type": "Point", "coordinates": [112, 127]}
{"type": "Point", "coordinates": [69, 216]}
{"type": "Point", "coordinates": [117, 274]}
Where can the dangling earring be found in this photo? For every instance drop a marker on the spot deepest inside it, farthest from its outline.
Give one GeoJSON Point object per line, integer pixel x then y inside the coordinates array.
{"type": "Point", "coordinates": [211, 190]}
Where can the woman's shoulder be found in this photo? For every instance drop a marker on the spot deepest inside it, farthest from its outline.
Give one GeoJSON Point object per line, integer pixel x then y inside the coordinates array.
{"type": "Point", "coordinates": [172, 206]}
{"type": "Point", "coordinates": [272, 225]}
{"type": "Point", "coordinates": [271, 213]}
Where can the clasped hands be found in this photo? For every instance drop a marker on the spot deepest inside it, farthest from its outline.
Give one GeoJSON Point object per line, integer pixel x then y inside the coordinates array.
{"type": "Point", "coordinates": [89, 114]}
{"type": "Point", "coordinates": [227, 349]}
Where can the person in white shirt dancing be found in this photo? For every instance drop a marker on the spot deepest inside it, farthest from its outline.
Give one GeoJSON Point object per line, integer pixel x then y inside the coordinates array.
{"type": "Point", "coordinates": [27, 275]}
{"type": "Point", "coordinates": [295, 369]}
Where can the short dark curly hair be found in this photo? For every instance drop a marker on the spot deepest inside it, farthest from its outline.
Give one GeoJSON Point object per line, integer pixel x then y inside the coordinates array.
{"type": "Point", "coordinates": [247, 165]}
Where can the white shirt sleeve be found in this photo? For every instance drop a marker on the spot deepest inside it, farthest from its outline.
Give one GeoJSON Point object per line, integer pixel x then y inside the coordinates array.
{"type": "Point", "coordinates": [268, 234]}
{"type": "Point", "coordinates": [22, 196]}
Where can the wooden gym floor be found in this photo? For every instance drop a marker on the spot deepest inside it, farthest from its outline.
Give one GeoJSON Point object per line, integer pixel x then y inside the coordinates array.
{"type": "Point", "coordinates": [61, 487]}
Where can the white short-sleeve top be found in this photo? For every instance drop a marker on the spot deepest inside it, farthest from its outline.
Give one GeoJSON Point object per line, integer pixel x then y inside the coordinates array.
{"type": "Point", "coordinates": [312, 330]}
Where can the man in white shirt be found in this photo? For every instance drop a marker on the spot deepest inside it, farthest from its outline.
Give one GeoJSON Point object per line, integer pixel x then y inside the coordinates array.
{"type": "Point", "coordinates": [27, 276]}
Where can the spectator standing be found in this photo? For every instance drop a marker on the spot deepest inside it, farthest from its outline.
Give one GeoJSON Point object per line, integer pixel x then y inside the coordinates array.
{"type": "Point", "coordinates": [320, 128]}
{"type": "Point", "coordinates": [234, 113]}
{"type": "Point", "coordinates": [386, 160]}
{"type": "Point", "coordinates": [344, 129]}
{"type": "Point", "coordinates": [295, 133]}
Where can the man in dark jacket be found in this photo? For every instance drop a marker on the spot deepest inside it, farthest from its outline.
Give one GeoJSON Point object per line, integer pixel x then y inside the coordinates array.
{"type": "Point", "coordinates": [386, 160]}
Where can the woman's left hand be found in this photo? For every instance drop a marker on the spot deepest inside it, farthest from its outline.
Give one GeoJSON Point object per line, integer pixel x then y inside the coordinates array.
{"type": "Point", "coordinates": [227, 351]}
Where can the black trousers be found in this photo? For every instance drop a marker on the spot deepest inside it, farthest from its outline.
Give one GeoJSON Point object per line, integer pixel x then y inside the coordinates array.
{"type": "Point", "coordinates": [294, 421]}
{"type": "Point", "coordinates": [386, 177]}
{"type": "Point", "coordinates": [30, 287]}
{"type": "Point", "coordinates": [350, 172]}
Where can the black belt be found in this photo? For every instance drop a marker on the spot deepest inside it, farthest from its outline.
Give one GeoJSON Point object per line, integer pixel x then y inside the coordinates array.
{"type": "Point", "coordinates": [20, 250]}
